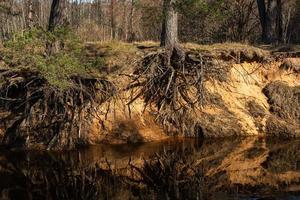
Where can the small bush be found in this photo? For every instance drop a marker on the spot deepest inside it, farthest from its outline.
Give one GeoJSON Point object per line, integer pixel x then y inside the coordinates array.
{"type": "Point", "coordinates": [28, 50]}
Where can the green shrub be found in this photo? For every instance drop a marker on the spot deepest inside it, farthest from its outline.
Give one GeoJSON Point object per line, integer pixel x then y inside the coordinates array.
{"type": "Point", "coordinates": [28, 50]}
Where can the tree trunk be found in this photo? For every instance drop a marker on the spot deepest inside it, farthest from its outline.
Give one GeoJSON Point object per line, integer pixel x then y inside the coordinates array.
{"type": "Point", "coordinates": [57, 20]}
{"type": "Point", "coordinates": [130, 33]}
{"type": "Point", "coordinates": [271, 20]}
{"type": "Point", "coordinates": [169, 35]}
{"type": "Point", "coordinates": [30, 14]}
{"type": "Point", "coordinates": [112, 20]}
{"type": "Point", "coordinates": [272, 15]}
{"type": "Point", "coordinates": [279, 22]}
{"type": "Point", "coordinates": [58, 15]}
{"type": "Point", "coordinates": [124, 21]}
{"type": "Point", "coordinates": [265, 21]}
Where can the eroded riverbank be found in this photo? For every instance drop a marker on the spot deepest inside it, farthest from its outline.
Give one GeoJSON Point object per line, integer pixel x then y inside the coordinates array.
{"type": "Point", "coordinates": [225, 90]}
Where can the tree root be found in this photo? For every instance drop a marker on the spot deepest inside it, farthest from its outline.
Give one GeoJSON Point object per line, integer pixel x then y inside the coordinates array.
{"type": "Point", "coordinates": [46, 115]}
{"type": "Point", "coordinates": [174, 92]}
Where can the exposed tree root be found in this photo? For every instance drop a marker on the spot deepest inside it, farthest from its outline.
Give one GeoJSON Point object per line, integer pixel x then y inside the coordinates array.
{"type": "Point", "coordinates": [175, 91]}
{"type": "Point", "coordinates": [44, 115]}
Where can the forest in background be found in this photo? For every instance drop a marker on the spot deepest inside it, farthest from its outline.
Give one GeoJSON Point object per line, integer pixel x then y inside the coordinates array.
{"type": "Point", "coordinates": [200, 21]}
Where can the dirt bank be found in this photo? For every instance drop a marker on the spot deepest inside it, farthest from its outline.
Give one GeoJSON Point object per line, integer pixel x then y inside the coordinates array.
{"type": "Point", "coordinates": [255, 93]}
{"type": "Point", "coordinates": [220, 90]}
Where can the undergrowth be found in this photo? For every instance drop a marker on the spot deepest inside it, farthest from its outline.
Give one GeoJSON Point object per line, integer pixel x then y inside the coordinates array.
{"type": "Point", "coordinates": [27, 50]}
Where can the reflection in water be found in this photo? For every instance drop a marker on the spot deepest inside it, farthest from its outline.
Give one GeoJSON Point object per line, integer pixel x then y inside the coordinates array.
{"type": "Point", "coordinates": [224, 169]}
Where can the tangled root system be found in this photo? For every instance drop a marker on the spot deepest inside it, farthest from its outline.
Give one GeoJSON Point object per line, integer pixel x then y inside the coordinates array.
{"type": "Point", "coordinates": [174, 92]}
{"type": "Point", "coordinates": [33, 107]}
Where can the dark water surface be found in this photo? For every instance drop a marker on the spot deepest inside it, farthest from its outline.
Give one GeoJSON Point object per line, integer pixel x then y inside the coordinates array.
{"type": "Point", "coordinates": [243, 169]}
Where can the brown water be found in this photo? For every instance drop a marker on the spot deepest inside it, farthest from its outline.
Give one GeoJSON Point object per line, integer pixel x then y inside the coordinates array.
{"type": "Point", "coordinates": [249, 168]}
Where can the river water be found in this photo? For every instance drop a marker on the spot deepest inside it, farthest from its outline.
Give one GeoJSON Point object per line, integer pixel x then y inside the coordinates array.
{"type": "Point", "coordinates": [233, 168]}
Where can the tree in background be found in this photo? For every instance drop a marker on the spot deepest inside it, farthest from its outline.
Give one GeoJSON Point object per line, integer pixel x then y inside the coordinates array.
{"type": "Point", "coordinates": [271, 20]}
{"type": "Point", "coordinates": [130, 33]}
{"type": "Point", "coordinates": [292, 27]}
{"type": "Point", "coordinates": [57, 20]}
{"type": "Point", "coordinates": [58, 15]}
{"type": "Point", "coordinates": [112, 19]}
{"type": "Point", "coordinates": [30, 13]}
{"type": "Point", "coordinates": [200, 21]}
{"type": "Point", "coordinates": [264, 20]}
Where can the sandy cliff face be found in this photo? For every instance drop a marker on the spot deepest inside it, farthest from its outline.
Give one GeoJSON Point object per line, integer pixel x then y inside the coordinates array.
{"type": "Point", "coordinates": [248, 101]}
{"type": "Point", "coordinates": [260, 97]}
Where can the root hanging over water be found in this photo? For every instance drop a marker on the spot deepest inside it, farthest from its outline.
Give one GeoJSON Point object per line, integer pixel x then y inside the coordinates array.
{"type": "Point", "coordinates": [174, 91]}
{"type": "Point", "coordinates": [46, 116]}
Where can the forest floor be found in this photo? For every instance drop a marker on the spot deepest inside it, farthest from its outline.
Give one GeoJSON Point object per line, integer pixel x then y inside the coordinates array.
{"type": "Point", "coordinates": [243, 91]}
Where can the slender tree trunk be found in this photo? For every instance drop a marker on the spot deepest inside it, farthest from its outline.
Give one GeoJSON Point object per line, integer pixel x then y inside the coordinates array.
{"type": "Point", "coordinates": [169, 35]}
{"type": "Point", "coordinates": [99, 12]}
{"type": "Point", "coordinates": [279, 22]}
{"type": "Point", "coordinates": [265, 21]}
{"type": "Point", "coordinates": [58, 15]}
{"type": "Point", "coordinates": [272, 16]}
{"type": "Point", "coordinates": [112, 20]}
{"type": "Point", "coordinates": [286, 26]}
{"type": "Point", "coordinates": [124, 26]}
{"type": "Point", "coordinates": [130, 34]}
{"type": "Point", "coordinates": [57, 19]}
{"type": "Point", "coordinates": [30, 14]}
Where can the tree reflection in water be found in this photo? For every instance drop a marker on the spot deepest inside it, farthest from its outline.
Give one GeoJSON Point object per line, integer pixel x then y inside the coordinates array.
{"type": "Point", "coordinates": [174, 169]}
